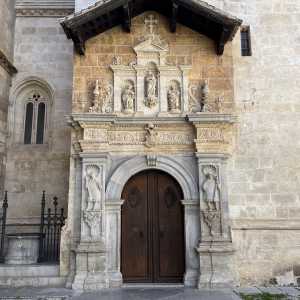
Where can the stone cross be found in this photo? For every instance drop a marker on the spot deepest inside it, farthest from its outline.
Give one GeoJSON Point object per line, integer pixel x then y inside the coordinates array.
{"type": "Point", "coordinates": [150, 23]}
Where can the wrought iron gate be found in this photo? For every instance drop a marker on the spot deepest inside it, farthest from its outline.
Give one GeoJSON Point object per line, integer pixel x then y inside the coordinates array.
{"type": "Point", "coordinates": [3, 213]}
{"type": "Point", "coordinates": [52, 221]}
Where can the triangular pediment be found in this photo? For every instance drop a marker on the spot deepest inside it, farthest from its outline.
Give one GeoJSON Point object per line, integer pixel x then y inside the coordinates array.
{"type": "Point", "coordinates": [195, 14]}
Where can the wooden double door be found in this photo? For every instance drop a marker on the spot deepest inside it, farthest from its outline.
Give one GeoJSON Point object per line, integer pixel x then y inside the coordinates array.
{"type": "Point", "coordinates": [152, 229]}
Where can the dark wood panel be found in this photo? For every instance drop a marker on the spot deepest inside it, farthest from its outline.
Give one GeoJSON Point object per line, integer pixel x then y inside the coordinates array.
{"type": "Point", "coordinates": [152, 229]}
{"type": "Point", "coordinates": [169, 245]}
{"type": "Point", "coordinates": [135, 231]}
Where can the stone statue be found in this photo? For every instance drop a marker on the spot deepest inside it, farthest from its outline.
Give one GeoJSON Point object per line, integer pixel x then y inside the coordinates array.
{"type": "Point", "coordinates": [94, 188]}
{"type": "Point", "coordinates": [151, 86]}
{"type": "Point", "coordinates": [151, 136]}
{"type": "Point", "coordinates": [211, 188]}
{"type": "Point", "coordinates": [194, 99]}
{"type": "Point", "coordinates": [93, 221]}
{"type": "Point", "coordinates": [128, 97]}
{"type": "Point", "coordinates": [102, 98]}
{"type": "Point", "coordinates": [174, 98]}
{"type": "Point", "coordinates": [117, 60]}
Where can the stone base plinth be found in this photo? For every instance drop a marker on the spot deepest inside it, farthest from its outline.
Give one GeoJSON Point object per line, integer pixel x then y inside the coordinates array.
{"type": "Point", "coordinates": [91, 267]}
{"type": "Point", "coordinates": [216, 265]}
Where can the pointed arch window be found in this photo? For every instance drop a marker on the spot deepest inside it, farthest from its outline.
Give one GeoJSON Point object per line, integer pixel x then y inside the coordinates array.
{"type": "Point", "coordinates": [35, 119]}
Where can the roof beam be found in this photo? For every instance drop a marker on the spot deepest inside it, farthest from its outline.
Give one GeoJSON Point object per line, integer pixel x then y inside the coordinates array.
{"type": "Point", "coordinates": [126, 17]}
{"type": "Point", "coordinates": [173, 20]}
{"type": "Point", "coordinates": [220, 44]}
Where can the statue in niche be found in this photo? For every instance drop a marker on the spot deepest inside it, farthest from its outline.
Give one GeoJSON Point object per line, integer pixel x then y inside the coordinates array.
{"type": "Point", "coordinates": [151, 136]}
{"type": "Point", "coordinates": [211, 188]}
{"type": "Point", "coordinates": [128, 97]}
{"type": "Point", "coordinates": [151, 87]}
{"type": "Point", "coordinates": [94, 188]}
{"type": "Point", "coordinates": [117, 60]}
{"type": "Point", "coordinates": [93, 221]}
{"type": "Point", "coordinates": [102, 98]}
{"type": "Point", "coordinates": [174, 98]}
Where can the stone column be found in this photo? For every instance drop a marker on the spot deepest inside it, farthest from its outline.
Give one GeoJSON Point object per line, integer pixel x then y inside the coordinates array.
{"type": "Point", "coordinates": [91, 261]}
{"type": "Point", "coordinates": [192, 235]}
{"type": "Point", "coordinates": [216, 260]}
{"type": "Point", "coordinates": [113, 237]}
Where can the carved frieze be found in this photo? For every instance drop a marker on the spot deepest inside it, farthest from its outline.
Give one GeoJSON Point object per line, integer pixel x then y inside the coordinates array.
{"type": "Point", "coordinates": [150, 137]}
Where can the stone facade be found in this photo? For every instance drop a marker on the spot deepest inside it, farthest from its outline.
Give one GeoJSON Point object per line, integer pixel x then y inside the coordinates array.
{"type": "Point", "coordinates": [6, 58]}
{"type": "Point", "coordinates": [43, 57]}
{"type": "Point", "coordinates": [264, 170]}
{"type": "Point", "coordinates": [244, 144]}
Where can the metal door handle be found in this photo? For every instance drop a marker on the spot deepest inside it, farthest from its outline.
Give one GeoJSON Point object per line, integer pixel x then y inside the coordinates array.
{"type": "Point", "coordinates": [141, 234]}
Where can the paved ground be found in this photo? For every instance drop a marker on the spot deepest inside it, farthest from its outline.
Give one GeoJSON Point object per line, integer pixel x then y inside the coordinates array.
{"type": "Point", "coordinates": [118, 294]}
{"type": "Point", "coordinates": [139, 293]}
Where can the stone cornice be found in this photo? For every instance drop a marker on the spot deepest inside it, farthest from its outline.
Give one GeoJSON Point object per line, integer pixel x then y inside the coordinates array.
{"type": "Point", "coordinates": [6, 64]}
{"type": "Point", "coordinates": [114, 119]}
{"type": "Point", "coordinates": [42, 12]}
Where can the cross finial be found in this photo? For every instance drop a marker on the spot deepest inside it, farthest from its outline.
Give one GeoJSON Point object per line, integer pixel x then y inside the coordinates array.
{"type": "Point", "coordinates": [151, 22]}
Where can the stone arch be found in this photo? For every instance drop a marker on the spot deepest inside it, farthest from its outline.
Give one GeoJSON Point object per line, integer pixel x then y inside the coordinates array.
{"type": "Point", "coordinates": [135, 165]}
{"type": "Point", "coordinates": [17, 104]}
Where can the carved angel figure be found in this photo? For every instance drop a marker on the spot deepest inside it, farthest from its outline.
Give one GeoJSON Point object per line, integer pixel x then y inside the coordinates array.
{"type": "Point", "coordinates": [94, 188]}
{"type": "Point", "coordinates": [151, 85]}
{"type": "Point", "coordinates": [174, 98]}
{"type": "Point", "coordinates": [211, 188]}
{"type": "Point", "coordinates": [128, 97]}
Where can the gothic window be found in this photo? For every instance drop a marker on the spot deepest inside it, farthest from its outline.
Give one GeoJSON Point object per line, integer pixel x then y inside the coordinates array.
{"type": "Point", "coordinates": [246, 41]}
{"type": "Point", "coordinates": [35, 118]}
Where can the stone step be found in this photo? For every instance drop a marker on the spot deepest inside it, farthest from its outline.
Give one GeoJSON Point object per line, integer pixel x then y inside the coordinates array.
{"type": "Point", "coordinates": [39, 275]}
{"type": "Point", "coordinates": [38, 270]}
{"type": "Point", "coordinates": [14, 282]}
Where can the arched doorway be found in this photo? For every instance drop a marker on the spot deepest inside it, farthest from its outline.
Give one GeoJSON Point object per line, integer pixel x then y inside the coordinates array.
{"type": "Point", "coordinates": [152, 243]}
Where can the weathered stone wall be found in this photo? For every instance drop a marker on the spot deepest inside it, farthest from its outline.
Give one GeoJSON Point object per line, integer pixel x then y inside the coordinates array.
{"type": "Point", "coordinates": [264, 174]}
{"type": "Point", "coordinates": [186, 48]}
{"type": "Point", "coordinates": [41, 52]}
{"type": "Point", "coordinates": [7, 19]}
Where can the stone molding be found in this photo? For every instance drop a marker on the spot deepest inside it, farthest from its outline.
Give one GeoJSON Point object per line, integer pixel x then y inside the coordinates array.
{"type": "Point", "coordinates": [139, 163]}
{"type": "Point", "coordinates": [265, 224]}
{"type": "Point", "coordinates": [43, 12]}
{"type": "Point", "coordinates": [7, 65]}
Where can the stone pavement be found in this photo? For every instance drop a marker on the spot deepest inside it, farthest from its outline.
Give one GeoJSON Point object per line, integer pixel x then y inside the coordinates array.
{"type": "Point", "coordinates": [118, 294]}
{"type": "Point", "coordinates": [143, 293]}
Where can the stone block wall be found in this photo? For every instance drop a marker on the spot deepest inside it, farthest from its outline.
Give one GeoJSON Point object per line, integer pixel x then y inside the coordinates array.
{"type": "Point", "coordinates": [186, 48]}
{"type": "Point", "coordinates": [7, 18]}
{"type": "Point", "coordinates": [264, 174]}
{"type": "Point", "coordinates": [42, 51]}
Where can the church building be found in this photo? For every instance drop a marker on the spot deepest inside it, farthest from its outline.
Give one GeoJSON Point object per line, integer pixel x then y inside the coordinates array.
{"type": "Point", "coordinates": [149, 142]}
